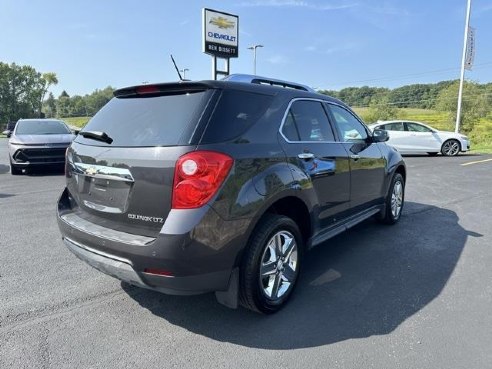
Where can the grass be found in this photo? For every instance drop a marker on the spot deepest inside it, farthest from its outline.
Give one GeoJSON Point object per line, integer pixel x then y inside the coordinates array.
{"type": "Point", "coordinates": [76, 121]}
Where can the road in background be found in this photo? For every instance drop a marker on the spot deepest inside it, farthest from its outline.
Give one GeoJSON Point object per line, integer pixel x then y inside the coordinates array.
{"type": "Point", "coordinates": [414, 295]}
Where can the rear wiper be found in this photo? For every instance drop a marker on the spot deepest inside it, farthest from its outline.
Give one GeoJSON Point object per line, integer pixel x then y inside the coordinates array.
{"type": "Point", "coordinates": [97, 135]}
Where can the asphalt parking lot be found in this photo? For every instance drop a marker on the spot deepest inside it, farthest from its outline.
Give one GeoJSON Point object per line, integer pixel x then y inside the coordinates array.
{"type": "Point", "coordinates": [415, 295]}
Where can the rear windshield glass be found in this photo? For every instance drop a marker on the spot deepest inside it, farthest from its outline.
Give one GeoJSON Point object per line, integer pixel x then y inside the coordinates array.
{"type": "Point", "coordinates": [235, 113]}
{"type": "Point", "coordinates": [148, 121]}
{"type": "Point", "coordinates": [41, 127]}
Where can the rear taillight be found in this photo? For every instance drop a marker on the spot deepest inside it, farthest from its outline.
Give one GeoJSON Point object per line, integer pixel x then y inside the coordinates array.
{"type": "Point", "coordinates": [197, 177]}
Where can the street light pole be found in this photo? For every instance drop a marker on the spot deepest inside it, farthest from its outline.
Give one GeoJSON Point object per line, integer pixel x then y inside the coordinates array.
{"type": "Point", "coordinates": [184, 72]}
{"type": "Point", "coordinates": [254, 47]}
{"type": "Point", "coordinates": [463, 59]}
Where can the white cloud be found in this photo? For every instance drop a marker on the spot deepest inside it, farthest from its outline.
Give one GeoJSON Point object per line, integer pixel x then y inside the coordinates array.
{"type": "Point", "coordinates": [278, 59]}
{"type": "Point", "coordinates": [340, 49]}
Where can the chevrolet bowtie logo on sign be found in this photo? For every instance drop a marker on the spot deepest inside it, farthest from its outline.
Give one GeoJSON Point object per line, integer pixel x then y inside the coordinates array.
{"type": "Point", "coordinates": [220, 34]}
{"type": "Point", "coordinates": [222, 22]}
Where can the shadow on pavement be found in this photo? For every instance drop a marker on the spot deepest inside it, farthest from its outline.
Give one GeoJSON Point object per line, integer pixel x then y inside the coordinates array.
{"type": "Point", "coordinates": [4, 169]}
{"type": "Point", "coordinates": [364, 282]}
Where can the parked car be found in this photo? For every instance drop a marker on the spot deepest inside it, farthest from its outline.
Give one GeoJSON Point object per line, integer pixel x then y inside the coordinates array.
{"type": "Point", "coordinates": [222, 186]}
{"type": "Point", "coordinates": [410, 137]}
{"type": "Point", "coordinates": [38, 142]}
{"type": "Point", "coordinates": [9, 128]}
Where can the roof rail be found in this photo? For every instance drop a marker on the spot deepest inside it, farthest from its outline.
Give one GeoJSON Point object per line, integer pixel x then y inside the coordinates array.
{"type": "Point", "coordinates": [246, 78]}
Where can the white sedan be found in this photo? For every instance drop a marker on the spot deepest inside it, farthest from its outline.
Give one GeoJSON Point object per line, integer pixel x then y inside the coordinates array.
{"type": "Point", "coordinates": [416, 138]}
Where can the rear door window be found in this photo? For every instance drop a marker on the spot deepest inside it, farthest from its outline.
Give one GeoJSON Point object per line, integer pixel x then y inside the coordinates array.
{"type": "Point", "coordinates": [307, 121]}
{"type": "Point", "coordinates": [414, 127]}
{"type": "Point", "coordinates": [235, 113]}
{"type": "Point", "coordinates": [166, 120]}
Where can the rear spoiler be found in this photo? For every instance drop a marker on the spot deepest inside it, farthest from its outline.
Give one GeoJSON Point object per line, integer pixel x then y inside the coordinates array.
{"type": "Point", "coordinates": [161, 89]}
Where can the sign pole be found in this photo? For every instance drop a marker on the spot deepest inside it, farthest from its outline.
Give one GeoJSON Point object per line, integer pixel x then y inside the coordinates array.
{"type": "Point", "coordinates": [463, 59]}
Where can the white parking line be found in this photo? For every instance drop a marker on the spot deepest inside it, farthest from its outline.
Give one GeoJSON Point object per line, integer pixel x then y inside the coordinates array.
{"type": "Point", "coordinates": [476, 162]}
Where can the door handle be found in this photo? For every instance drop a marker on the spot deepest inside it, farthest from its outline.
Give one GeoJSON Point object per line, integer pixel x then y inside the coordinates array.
{"type": "Point", "coordinates": [305, 155]}
{"type": "Point", "coordinates": [355, 157]}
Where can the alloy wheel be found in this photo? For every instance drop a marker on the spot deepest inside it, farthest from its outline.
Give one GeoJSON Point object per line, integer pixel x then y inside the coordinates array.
{"type": "Point", "coordinates": [451, 148]}
{"type": "Point", "coordinates": [396, 199]}
{"type": "Point", "coordinates": [279, 268]}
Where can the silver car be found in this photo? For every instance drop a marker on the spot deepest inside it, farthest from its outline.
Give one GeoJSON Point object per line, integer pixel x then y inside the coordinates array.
{"type": "Point", "coordinates": [38, 142]}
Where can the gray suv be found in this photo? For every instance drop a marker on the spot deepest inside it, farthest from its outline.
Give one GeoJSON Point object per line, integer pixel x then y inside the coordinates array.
{"type": "Point", "coordinates": [38, 143]}
{"type": "Point", "coordinates": [222, 186]}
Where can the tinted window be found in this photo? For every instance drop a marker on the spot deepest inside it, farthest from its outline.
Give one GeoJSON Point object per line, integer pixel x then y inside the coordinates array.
{"type": "Point", "coordinates": [392, 127]}
{"type": "Point", "coordinates": [235, 113]}
{"type": "Point", "coordinates": [148, 121]}
{"type": "Point", "coordinates": [414, 127]}
{"type": "Point", "coordinates": [349, 127]}
{"type": "Point", "coordinates": [289, 129]}
{"type": "Point", "coordinates": [307, 121]}
{"type": "Point", "coordinates": [41, 127]}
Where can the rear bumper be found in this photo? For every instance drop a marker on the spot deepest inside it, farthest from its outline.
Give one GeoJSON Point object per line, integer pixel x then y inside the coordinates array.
{"type": "Point", "coordinates": [198, 257]}
{"type": "Point", "coordinates": [123, 270]}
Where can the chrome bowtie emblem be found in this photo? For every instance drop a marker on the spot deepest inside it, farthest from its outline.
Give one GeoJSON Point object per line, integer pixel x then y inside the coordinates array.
{"type": "Point", "coordinates": [91, 171]}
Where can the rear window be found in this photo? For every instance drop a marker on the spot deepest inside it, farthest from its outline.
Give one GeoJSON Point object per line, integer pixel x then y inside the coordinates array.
{"type": "Point", "coordinates": [234, 114]}
{"type": "Point", "coordinates": [166, 120]}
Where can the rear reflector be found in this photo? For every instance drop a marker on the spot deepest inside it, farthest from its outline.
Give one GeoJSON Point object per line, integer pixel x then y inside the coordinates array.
{"type": "Point", "coordinates": [197, 177]}
{"type": "Point", "coordinates": [165, 273]}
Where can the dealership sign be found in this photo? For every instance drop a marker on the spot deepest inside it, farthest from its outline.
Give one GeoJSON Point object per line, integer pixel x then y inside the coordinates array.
{"type": "Point", "coordinates": [220, 34]}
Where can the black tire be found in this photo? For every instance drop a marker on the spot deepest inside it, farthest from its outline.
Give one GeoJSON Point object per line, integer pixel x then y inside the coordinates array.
{"type": "Point", "coordinates": [389, 215]}
{"type": "Point", "coordinates": [432, 153]}
{"type": "Point", "coordinates": [451, 148]}
{"type": "Point", "coordinates": [15, 171]}
{"type": "Point", "coordinates": [253, 286]}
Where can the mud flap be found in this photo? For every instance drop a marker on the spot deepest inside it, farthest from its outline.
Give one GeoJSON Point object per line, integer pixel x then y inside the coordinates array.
{"type": "Point", "coordinates": [230, 297]}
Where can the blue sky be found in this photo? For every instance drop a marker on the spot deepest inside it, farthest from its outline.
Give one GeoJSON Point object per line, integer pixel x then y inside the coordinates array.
{"type": "Point", "coordinates": [325, 44]}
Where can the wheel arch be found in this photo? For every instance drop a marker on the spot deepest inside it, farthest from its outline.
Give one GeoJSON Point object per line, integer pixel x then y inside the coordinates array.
{"type": "Point", "coordinates": [290, 206]}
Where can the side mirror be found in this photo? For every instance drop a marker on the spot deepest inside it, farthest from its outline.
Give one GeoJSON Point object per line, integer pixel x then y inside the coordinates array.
{"type": "Point", "coordinates": [7, 133]}
{"type": "Point", "coordinates": [380, 135]}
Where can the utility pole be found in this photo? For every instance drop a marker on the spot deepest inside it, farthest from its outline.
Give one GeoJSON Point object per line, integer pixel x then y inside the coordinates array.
{"type": "Point", "coordinates": [463, 60]}
{"type": "Point", "coordinates": [254, 47]}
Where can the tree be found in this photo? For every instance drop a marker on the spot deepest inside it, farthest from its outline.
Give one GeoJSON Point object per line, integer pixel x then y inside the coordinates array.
{"type": "Point", "coordinates": [382, 110]}
{"type": "Point", "coordinates": [63, 108]}
{"type": "Point", "coordinates": [96, 100]}
{"type": "Point", "coordinates": [50, 106]}
{"type": "Point", "coordinates": [476, 103]}
{"type": "Point", "coordinates": [20, 91]}
{"type": "Point", "coordinates": [48, 79]}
